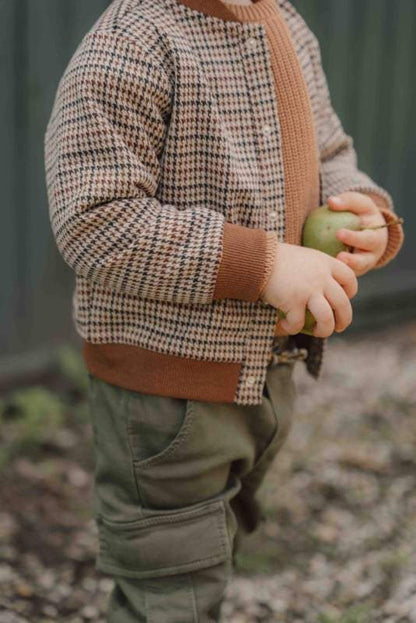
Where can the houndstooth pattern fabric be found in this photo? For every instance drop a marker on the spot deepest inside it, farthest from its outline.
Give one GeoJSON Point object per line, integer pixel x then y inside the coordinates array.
{"type": "Point", "coordinates": [153, 143]}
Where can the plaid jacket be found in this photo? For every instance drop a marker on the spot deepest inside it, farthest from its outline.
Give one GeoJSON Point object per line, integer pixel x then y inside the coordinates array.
{"type": "Point", "coordinates": [166, 187]}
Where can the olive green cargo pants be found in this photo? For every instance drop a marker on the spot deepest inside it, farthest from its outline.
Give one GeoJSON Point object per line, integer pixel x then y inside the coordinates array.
{"type": "Point", "coordinates": [174, 489]}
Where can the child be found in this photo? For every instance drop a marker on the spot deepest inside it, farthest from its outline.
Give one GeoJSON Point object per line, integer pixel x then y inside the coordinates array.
{"type": "Point", "coordinates": [188, 142]}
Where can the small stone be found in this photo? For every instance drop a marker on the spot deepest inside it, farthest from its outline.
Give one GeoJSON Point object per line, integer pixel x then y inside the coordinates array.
{"type": "Point", "coordinates": [8, 526]}
{"type": "Point", "coordinates": [47, 579]}
{"type": "Point", "coordinates": [64, 590]}
{"type": "Point", "coordinates": [24, 590]}
{"type": "Point", "coordinates": [65, 438]}
{"type": "Point", "coordinates": [78, 477]}
{"type": "Point", "coordinates": [7, 574]}
{"type": "Point", "coordinates": [89, 584]}
{"type": "Point", "coordinates": [50, 611]}
{"type": "Point", "coordinates": [20, 606]}
{"type": "Point", "coordinates": [90, 612]}
{"type": "Point", "coordinates": [8, 552]}
{"type": "Point", "coordinates": [106, 585]}
{"type": "Point", "coordinates": [326, 533]}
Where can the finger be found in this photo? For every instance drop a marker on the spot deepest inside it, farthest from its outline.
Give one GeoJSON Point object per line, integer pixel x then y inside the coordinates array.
{"type": "Point", "coordinates": [367, 239]}
{"type": "Point", "coordinates": [345, 276]}
{"type": "Point", "coordinates": [324, 315]}
{"type": "Point", "coordinates": [360, 261]}
{"type": "Point", "coordinates": [340, 305]}
{"type": "Point", "coordinates": [294, 321]}
{"type": "Point", "coordinates": [352, 201]}
{"type": "Point", "coordinates": [278, 330]}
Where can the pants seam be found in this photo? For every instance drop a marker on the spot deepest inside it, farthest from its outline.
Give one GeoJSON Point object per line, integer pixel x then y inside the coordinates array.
{"type": "Point", "coordinates": [131, 461]}
{"type": "Point", "coordinates": [146, 607]}
{"type": "Point", "coordinates": [197, 563]}
{"type": "Point", "coordinates": [193, 598]}
{"type": "Point", "coordinates": [226, 537]}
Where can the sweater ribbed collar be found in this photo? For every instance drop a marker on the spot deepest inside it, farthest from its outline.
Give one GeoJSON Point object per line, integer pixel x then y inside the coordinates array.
{"type": "Point", "coordinates": [258, 11]}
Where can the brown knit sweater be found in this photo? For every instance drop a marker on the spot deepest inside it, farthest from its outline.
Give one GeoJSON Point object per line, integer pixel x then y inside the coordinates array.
{"type": "Point", "coordinates": [173, 172]}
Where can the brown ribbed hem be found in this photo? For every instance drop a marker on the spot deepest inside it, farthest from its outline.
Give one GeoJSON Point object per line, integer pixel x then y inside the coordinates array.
{"type": "Point", "coordinates": [243, 262]}
{"type": "Point", "coordinates": [396, 232]}
{"type": "Point", "coordinates": [150, 372]}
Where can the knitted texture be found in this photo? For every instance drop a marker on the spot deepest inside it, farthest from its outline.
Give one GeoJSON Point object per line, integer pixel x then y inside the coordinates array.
{"type": "Point", "coordinates": [271, 251]}
{"type": "Point", "coordinates": [300, 151]}
{"type": "Point", "coordinates": [395, 238]}
{"type": "Point", "coordinates": [242, 2]}
{"type": "Point", "coordinates": [159, 170]}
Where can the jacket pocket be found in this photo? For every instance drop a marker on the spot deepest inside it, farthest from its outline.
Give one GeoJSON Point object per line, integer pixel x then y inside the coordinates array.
{"type": "Point", "coordinates": [164, 542]}
{"type": "Point", "coordinates": [157, 426]}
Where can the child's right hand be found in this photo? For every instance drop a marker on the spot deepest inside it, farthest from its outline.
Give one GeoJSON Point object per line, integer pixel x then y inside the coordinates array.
{"type": "Point", "coordinates": [304, 277]}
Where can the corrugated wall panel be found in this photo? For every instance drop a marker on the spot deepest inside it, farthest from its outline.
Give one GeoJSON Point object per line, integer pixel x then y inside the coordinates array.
{"type": "Point", "coordinates": [9, 243]}
{"type": "Point", "coordinates": [369, 53]}
{"type": "Point", "coordinates": [37, 40]}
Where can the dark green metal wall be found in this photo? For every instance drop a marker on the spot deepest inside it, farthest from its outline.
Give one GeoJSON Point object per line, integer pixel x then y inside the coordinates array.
{"type": "Point", "coordinates": [369, 54]}
{"type": "Point", "coordinates": [37, 38]}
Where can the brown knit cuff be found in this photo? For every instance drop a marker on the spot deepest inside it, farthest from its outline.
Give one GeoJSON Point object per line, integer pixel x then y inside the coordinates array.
{"type": "Point", "coordinates": [241, 272]}
{"type": "Point", "coordinates": [396, 233]}
{"type": "Point", "coordinates": [271, 251]}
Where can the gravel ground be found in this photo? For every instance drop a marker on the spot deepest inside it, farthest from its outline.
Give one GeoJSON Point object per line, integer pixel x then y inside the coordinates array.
{"type": "Point", "coordinates": [338, 544]}
{"type": "Point", "coordinates": [340, 499]}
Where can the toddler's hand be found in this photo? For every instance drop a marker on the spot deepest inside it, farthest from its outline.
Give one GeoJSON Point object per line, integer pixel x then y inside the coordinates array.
{"type": "Point", "coordinates": [303, 277]}
{"type": "Point", "coordinates": [369, 244]}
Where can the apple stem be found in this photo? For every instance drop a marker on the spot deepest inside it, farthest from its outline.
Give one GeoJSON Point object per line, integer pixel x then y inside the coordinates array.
{"type": "Point", "coordinates": [398, 221]}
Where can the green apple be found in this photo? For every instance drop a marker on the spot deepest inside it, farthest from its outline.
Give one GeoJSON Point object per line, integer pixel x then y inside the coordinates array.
{"type": "Point", "coordinates": [319, 232]}
{"type": "Point", "coordinates": [321, 226]}
{"type": "Point", "coordinates": [309, 321]}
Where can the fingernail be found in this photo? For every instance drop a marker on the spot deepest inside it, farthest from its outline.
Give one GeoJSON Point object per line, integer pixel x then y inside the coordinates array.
{"type": "Point", "coordinates": [336, 200]}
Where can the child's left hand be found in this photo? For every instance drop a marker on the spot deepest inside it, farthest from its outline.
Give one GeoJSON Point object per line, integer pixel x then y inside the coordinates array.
{"type": "Point", "coordinates": [369, 244]}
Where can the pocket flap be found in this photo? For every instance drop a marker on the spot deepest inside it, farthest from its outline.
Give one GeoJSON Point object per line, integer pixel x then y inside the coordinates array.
{"type": "Point", "coordinates": [164, 542]}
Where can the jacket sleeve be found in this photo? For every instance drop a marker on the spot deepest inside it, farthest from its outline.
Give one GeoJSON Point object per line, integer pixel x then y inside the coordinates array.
{"type": "Point", "coordinates": [338, 160]}
{"type": "Point", "coordinates": [103, 147]}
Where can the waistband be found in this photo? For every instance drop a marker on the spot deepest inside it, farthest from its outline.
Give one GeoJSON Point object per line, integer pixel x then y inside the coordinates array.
{"type": "Point", "coordinates": [143, 370]}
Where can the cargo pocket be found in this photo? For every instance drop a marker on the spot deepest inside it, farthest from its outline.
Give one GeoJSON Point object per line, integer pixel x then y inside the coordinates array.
{"type": "Point", "coordinates": [164, 543]}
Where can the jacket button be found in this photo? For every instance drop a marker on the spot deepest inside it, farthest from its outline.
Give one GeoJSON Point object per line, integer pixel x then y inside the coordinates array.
{"type": "Point", "coordinates": [251, 42]}
{"type": "Point", "coordinates": [267, 129]}
{"type": "Point", "coordinates": [273, 215]}
{"type": "Point", "coordinates": [251, 380]}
